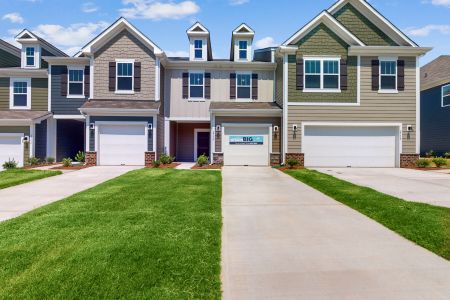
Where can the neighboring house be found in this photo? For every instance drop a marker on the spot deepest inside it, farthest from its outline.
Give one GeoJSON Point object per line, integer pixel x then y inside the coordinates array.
{"type": "Point", "coordinates": [24, 107]}
{"type": "Point", "coordinates": [435, 106]}
{"type": "Point", "coordinates": [351, 90]}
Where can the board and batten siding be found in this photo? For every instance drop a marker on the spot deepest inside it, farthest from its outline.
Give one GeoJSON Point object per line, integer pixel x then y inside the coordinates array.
{"type": "Point", "coordinates": [61, 105]}
{"type": "Point", "coordinates": [220, 91]}
{"type": "Point", "coordinates": [8, 60]}
{"type": "Point", "coordinates": [374, 108]}
{"type": "Point", "coordinates": [39, 94]}
{"type": "Point", "coordinates": [124, 46]}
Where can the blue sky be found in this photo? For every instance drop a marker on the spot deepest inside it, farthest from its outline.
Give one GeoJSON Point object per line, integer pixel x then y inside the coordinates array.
{"type": "Point", "coordinates": [69, 24]}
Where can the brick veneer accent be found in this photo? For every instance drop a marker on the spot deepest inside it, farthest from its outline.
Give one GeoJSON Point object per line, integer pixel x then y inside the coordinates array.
{"type": "Point", "coordinates": [149, 158]}
{"type": "Point", "coordinates": [298, 156]}
{"type": "Point", "coordinates": [275, 159]}
{"type": "Point", "coordinates": [91, 158]}
{"type": "Point", "coordinates": [408, 160]}
{"type": "Point", "coordinates": [218, 158]}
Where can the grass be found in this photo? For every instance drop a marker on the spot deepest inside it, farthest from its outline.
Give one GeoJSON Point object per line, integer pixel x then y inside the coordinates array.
{"type": "Point", "coordinates": [424, 224]}
{"type": "Point", "coordinates": [151, 234]}
{"type": "Point", "coordinates": [14, 177]}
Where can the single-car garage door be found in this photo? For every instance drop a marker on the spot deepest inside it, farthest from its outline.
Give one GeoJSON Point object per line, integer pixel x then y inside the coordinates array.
{"type": "Point", "coordinates": [352, 146]}
{"type": "Point", "coordinates": [246, 146]}
{"type": "Point", "coordinates": [11, 148]}
{"type": "Point", "coordinates": [122, 145]}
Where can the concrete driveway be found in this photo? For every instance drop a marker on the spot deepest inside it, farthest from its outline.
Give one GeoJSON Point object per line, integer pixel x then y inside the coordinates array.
{"type": "Point", "coordinates": [284, 240]}
{"type": "Point", "coordinates": [20, 199]}
{"type": "Point", "coordinates": [412, 185]}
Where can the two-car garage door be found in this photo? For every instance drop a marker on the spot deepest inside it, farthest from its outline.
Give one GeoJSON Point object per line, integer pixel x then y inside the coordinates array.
{"type": "Point", "coordinates": [11, 148]}
{"type": "Point", "coordinates": [351, 146]}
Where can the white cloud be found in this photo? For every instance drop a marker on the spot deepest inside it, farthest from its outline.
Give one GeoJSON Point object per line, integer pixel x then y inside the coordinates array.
{"type": "Point", "coordinates": [179, 53]}
{"type": "Point", "coordinates": [265, 42]}
{"type": "Point", "coordinates": [238, 2]}
{"type": "Point", "coordinates": [428, 29]}
{"type": "Point", "coordinates": [72, 50]}
{"type": "Point", "coordinates": [440, 2]}
{"type": "Point", "coordinates": [158, 10]}
{"type": "Point", "coordinates": [13, 18]}
{"type": "Point", "coordinates": [89, 7]}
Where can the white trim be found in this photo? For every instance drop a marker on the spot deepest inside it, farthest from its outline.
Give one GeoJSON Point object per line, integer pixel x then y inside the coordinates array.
{"type": "Point", "coordinates": [118, 112]}
{"type": "Point", "coordinates": [243, 25]}
{"type": "Point", "coordinates": [442, 95]}
{"type": "Point", "coordinates": [358, 80]}
{"type": "Point", "coordinates": [189, 86]}
{"type": "Point", "coordinates": [197, 24]}
{"type": "Point", "coordinates": [189, 119]}
{"type": "Point", "coordinates": [250, 99]}
{"type": "Point", "coordinates": [37, 55]}
{"type": "Point", "coordinates": [245, 125]}
{"type": "Point", "coordinates": [167, 135]}
{"type": "Point", "coordinates": [154, 131]}
{"type": "Point", "coordinates": [69, 117]}
{"type": "Point", "coordinates": [196, 131]}
{"type": "Point", "coordinates": [88, 131]}
{"type": "Point", "coordinates": [418, 107]}
{"type": "Point", "coordinates": [49, 92]}
{"type": "Point", "coordinates": [321, 59]}
{"type": "Point", "coordinates": [388, 59]}
{"type": "Point", "coordinates": [32, 140]}
{"type": "Point", "coordinates": [192, 49]}
{"type": "Point", "coordinates": [157, 79]}
{"type": "Point", "coordinates": [322, 104]}
{"type": "Point", "coordinates": [11, 93]}
{"type": "Point", "coordinates": [75, 68]}
{"type": "Point", "coordinates": [91, 78]}
{"type": "Point", "coordinates": [247, 112]}
{"type": "Point", "coordinates": [212, 138]}
{"type": "Point", "coordinates": [387, 50]}
{"type": "Point", "coordinates": [285, 108]}
{"type": "Point", "coordinates": [125, 61]}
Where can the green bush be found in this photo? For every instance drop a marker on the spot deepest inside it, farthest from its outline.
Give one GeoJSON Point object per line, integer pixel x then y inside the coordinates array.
{"type": "Point", "coordinates": [34, 161]}
{"type": "Point", "coordinates": [80, 157]}
{"type": "Point", "coordinates": [50, 160]}
{"type": "Point", "coordinates": [10, 164]}
{"type": "Point", "coordinates": [447, 154]}
{"type": "Point", "coordinates": [166, 159]}
{"type": "Point", "coordinates": [202, 160]}
{"type": "Point", "coordinates": [440, 162]}
{"type": "Point", "coordinates": [156, 163]}
{"type": "Point", "coordinates": [430, 154]}
{"type": "Point", "coordinates": [67, 162]}
{"type": "Point", "coordinates": [423, 163]}
{"type": "Point", "coordinates": [292, 162]}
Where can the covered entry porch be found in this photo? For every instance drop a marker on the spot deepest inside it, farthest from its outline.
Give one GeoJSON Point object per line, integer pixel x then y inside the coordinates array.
{"type": "Point", "coordinates": [187, 140]}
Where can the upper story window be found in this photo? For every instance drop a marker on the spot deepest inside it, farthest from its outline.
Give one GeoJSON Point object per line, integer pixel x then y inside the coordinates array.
{"type": "Point", "coordinates": [30, 57]}
{"type": "Point", "coordinates": [243, 50]}
{"type": "Point", "coordinates": [322, 74]}
{"type": "Point", "coordinates": [125, 80]}
{"type": "Point", "coordinates": [388, 74]}
{"type": "Point", "coordinates": [198, 49]}
{"type": "Point", "coordinates": [446, 95]}
{"type": "Point", "coordinates": [76, 82]}
{"type": "Point", "coordinates": [196, 85]}
{"type": "Point", "coordinates": [243, 86]}
{"type": "Point", "coordinates": [20, 93]}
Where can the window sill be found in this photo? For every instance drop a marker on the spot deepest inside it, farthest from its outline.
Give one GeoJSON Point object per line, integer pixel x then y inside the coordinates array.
{"type": "Point", "coordinates": [244, 100]}
{"type": "Point", "coordinates": [196, 100]}
{"type": "Point", "coordinates": [20, 107]}
{"type": "Point", "coordinates": [387, 91]}
{"type": "Point", "coordinates": [124, 92]}
{"type": "Point", "coordinates": [322, 91]}
{"type": "Point", "coordinates": [76, 97]}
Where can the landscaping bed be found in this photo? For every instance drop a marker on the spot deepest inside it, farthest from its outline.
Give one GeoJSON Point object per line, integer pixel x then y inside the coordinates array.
{"type": "Point", "coordinates": [9, 178]}
{"type": "Point", "coordinates": [166, 166]}
{"type": "Point", "coordinates": [207, 167]}
{"type": "Point", "coordinates": [73, 167]}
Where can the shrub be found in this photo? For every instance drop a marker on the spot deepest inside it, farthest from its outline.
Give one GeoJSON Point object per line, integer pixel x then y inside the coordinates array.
{"type": "Point", "coordinates": [430, 154]}
{"type": "Point", "coordinates": [80, 157]}
{"type": "Point", "coordinates": [34, 161]}
{"type": "Point", "coordinates": [292, 162]}
{"type": "Point", "coordinates": [440, 162]}
{"type": "Point", "coordinates": [10, 164]}
{"type": "Point", "coordinates": [50, 160]}
{"type": "Point", "coordinates": [422, 163]}
{"type": "Point", "coordinates": [447, 154]}
{"type": "Point", "coordinates": [156, 163]}
{"type": "Point", "coordinates": [166, 159]}
{"type": "Point", "coordinates": [202, 160]}
{"type": "Point", "coordinates": [67, 162]}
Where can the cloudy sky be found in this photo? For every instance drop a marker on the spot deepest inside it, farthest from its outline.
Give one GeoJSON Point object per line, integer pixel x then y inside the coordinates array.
{"type": "Point", "coordinates": [69, 24]}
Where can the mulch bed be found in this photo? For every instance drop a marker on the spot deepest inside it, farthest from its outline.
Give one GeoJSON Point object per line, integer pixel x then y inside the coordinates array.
{"type": "Point", "coordinates": [169, 166]}
{"type": "Point", "coordinates": [37, 166]}
{"type": "Point", "coordinates": [208, 167]}
{"type": "Point", "coordinates": [430, 169]}
{"type": "Point", "coordinates": [285, 168]}
{"type": "Point", "coordinates": [71, 168]}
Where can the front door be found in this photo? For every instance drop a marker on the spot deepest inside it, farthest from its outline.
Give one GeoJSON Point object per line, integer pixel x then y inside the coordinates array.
{"type": "Point", "coordinates": [202, 143]}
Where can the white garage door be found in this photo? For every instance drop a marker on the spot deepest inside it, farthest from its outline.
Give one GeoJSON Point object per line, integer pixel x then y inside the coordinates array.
{"type": "Point", "coordinates": [246, 146]}
{"type": "Point", "coordinates": [326, 146]}
{"type": "Point", "coordinates": [11, 148]}
{"type": "Point", "coordinates": [122, 145]}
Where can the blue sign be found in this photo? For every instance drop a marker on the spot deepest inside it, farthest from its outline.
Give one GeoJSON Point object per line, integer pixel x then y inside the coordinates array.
{"type": "Point", "coordinates": [247, 140]}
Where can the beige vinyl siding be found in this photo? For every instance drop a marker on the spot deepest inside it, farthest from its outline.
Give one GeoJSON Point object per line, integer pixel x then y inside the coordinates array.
{"type": "Point", "coordinates": [160, 118]}
{"type": "Point", "coordinates": [39, 94]}
{"type": "Point", "coordinates": [124, 46]}
{"type": "Point", "coordinates": [374, 108]}
{"type": "Point", "coordinates": [4, 93]}
{"type": "Point", "coordinates": [279, 82]}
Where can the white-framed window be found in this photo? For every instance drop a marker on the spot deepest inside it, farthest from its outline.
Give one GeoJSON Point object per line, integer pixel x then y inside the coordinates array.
{"type": "Point", "coordinates": [198, 49]}
{"type": "Point", "coordinates": [125, 76]}
{"type": "Point", "coordinates": [322, 74]}
{"type": "Point", "coordinates": [446, 95]}
{"type": "Point", "coordinates": [388, 74]}
{"type": "Point", "coordinates": [30, 56]}
{"type": "Point", "coordinates": [75, 82]}
{"type": "Point", "coordinates": [196, 85]}
{"type": "Point", "coordinates": [243, 86]}
{"type": "Point", "coordinates": [243, 50]}
{"type": "Point", "coordinates": [20, 93]}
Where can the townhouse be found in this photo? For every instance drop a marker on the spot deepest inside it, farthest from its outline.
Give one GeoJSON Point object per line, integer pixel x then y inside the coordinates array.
{"type": "Point", "coordinates": [343, 91]}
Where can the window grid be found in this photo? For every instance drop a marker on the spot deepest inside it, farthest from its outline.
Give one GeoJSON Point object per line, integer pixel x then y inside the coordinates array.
{"type": "Point", "coordinates": [196, 85]}
{"type": "Point", "coordinates": [29, 53]}
{"type": "Point", "coordinates": [243, 86]}
{"type": "Point", "coordinates": [446, 95]}
{"type": "Point", "coordinates": [125, 76]}
{"type": "Point", "coordinates": [388, 75]}
{"type": "Point", "coordinates": [198, 49]}
{"type": "Point", "coordinates": [76, 82]}
{"type": "Point", "coordinates": [20, 94]}
{"type": "Point", "coordinates": [322, 74]}
{"type": "Point", "coordinates": [243, 47]}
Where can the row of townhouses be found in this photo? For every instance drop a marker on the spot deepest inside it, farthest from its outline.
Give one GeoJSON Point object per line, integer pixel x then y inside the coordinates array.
{"type": "Point", "coordinates": [342, 91]}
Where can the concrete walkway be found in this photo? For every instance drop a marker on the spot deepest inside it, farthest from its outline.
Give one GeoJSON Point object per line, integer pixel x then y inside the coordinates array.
{"type": "Point", "coordinates": [20, 199]}
{"type": "Point", "coordinates": [284, 240]}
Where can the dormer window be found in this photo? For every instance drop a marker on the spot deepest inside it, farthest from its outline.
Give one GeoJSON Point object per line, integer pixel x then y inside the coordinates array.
{"type": "Point", "coordinates": [198, 49]}
{"type": "Point", "coordinates": [30, 57]}
{"type": "Point", "coordinates": [243, 50]}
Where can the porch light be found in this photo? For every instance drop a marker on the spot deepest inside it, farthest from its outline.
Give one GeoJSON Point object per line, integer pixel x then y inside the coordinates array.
{"type": "Point", "coordinates": [91, 126]}
{"type": "Point", "coordinates": [150, 126]}
{"type": "Point", "coordinates": [218, 128]}
{"type": "Point", "coordinates": [276, 128]}
{"type": "Point", "coordinates": [295, 127]}
{"type": "Point", "coordinates": [26, 139]}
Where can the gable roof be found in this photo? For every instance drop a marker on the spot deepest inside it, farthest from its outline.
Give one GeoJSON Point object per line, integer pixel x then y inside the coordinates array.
{"type": "Point", "coordinates": [197, 29]}
{"type": "Point", "coordinates": [9, 48]}
{"type": "Point", "coordinates": [26, 36]}
{"type": "Point", "coordinates": [327, 19]}
{"type": "Point", "coordinates": [243, 29]}
{"type": "Point", "coordinates": [435, 73]}
{"type": "Point", "coordinates": [377, 19]}
{"type": "Point", "coordinates": [115, 29]}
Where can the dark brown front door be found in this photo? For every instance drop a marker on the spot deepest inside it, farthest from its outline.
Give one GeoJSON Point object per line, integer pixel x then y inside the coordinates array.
{"type": "Point", "coordinates": [203, 143]}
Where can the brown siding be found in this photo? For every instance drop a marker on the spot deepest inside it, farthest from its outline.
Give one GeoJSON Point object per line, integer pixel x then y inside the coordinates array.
{"type": "Point", "coordinates": [4, 93]}
{"type": "Point", "coordinates": [279, 82]}
{"type": "Point", "coordinates": [185, 140]}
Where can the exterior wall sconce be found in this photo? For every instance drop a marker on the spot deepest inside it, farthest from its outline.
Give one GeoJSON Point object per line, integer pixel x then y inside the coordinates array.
{"type": "Point", "coordinates": [150, 126]}
{"type": "Point", "coordinates": [92, 126]}
{"type": "Point", "coordinates": [276, 129]}
{"type": "Point", "coordinates": [218, 128]}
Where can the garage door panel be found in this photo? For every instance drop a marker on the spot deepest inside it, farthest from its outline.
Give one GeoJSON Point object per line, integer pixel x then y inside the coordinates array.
{"type": "Point", "coordinates": [11, 149]}
{"type": "Point", "coordinates": [252, 155]}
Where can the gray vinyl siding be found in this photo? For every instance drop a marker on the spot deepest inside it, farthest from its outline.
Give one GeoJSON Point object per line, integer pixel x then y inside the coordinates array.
{"type": "Point", "coordinates": [40, 150]}
{"type": "Point", "coordinates": [374, 108]}
{"type": "Point", "coordinates": [8, 60]}
{"type": "Point", "coordinates": [61, 105]}
{"type": "Point", "coordinates": [435, 122]}
{"type": "Point", "coordinates": [119, 119]}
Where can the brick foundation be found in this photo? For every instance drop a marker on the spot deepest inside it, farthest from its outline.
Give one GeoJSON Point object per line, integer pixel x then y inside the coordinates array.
{"type": "Point", "coordinates": [218, 158]}
{"type": "Point", "coordinates": [298, 156]}
{"type": "Point", "coordinates": [149, 158]}
{"type": "Point", "coordinates": [408, 160]}
{"type": "Point", "coordinates": [91, 158]}
{"type": "Point", "coordinates": [275, 159]}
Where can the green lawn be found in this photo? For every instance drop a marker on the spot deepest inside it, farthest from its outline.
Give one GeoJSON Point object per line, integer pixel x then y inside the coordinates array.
{"type": "Point", "coordinates": [426, 225]}
{"type": "Point", "coordinates": [10, 178]}
{"type": "Point", "coordinates": [147, 234]}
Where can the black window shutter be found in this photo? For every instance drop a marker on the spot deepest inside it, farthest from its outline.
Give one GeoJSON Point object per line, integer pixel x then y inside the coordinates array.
{"type": "Point", "coordinates": [87, 80]}
{"type": "Point", "coordinates": [401, 75]}
{"type": "Point", "coordinates": [185, 85]}
{"type": "Point", "coordinates": [137, 76]}
{"type": "Point", "coordinates": [255, 86]}
{"type": "Point", "coordinates": [233, 86]}
{"type": "Point", "coordinates": [64, 81]}
{"type": "Point", "coordinates": [207, 85]}
{"type": "Point", "coordinates": [375, 75]}
{"type": "Point", "coordinates": [112, 76]}
{"type": "Point", "coordinates": [344, 77]}
{"type": "Point", "coordinates": [299, 74]}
